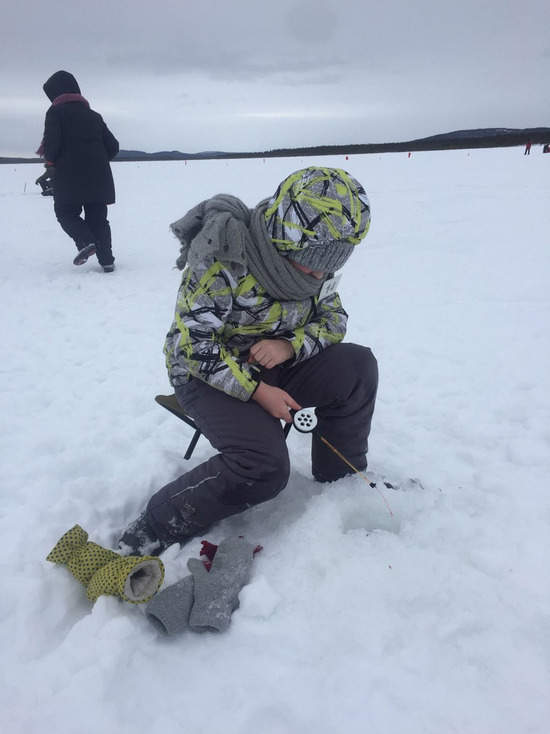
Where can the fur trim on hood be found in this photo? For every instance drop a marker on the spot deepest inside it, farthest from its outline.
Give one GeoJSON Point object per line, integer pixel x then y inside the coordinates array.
{"type": "Point", "coordinates": [64, 98]}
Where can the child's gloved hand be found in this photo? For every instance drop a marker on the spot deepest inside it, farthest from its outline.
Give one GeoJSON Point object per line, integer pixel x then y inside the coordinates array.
{"type": "Point", "coordinates": [217, 590]}
{"type": "Point", "coordinates": [104, 572]}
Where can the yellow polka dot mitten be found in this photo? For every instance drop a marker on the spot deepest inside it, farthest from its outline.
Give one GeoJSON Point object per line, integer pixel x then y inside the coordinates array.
{"type": "Point", "coordinates": [136, 579]}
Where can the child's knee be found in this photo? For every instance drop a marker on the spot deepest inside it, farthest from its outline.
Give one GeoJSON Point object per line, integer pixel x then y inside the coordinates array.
{"type": "Point", "coordinates": [357, 365]}
{"type": "Point", "coordinates": [362, 357]}
{"type": "Point", "coordinates": [264, 479]}
{"type": "Point", "coordinates": [275, 479]}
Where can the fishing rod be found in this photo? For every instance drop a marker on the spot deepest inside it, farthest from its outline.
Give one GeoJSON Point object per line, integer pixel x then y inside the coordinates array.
{"type": "Point", "coordinates": [305, 421]}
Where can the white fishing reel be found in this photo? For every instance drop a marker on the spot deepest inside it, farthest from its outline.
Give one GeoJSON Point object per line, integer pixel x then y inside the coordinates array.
{"type": "Point", "coordinates": [305, 420]}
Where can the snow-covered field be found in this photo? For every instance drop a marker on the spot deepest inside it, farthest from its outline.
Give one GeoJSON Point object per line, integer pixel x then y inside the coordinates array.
{"type": "Point", "coordinates": [435, 620]}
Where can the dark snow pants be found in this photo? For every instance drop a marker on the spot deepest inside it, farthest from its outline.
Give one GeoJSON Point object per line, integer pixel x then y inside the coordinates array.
{"type": "Point", "coordinates": [93, 228]}
{"type": "Point", "coordinates": [252, 465]}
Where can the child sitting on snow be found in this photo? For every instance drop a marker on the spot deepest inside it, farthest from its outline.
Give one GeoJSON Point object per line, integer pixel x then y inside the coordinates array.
{"type": "Point", "coordinates": [258, 332]}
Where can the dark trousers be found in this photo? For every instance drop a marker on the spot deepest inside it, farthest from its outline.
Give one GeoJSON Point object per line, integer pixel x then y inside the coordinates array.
{"type": "Point", "coordinates": [252, 465]}
{"type": "Point", "coordinates": [93, 228]}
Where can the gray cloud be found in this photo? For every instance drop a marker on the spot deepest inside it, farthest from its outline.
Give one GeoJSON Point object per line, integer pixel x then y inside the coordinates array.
{"type": "Point", "coordinates": [246, 74]}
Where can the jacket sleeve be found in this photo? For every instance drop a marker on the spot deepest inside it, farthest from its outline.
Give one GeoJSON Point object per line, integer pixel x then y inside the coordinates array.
{"type": "Point", "coordinates": [326, 326]}
{"type": "Point", "coordinates": [52, 137]}
{"type": "Point", "coordinates": [195, 345]}
{"type": "Point", "coordinates": [110, 142]}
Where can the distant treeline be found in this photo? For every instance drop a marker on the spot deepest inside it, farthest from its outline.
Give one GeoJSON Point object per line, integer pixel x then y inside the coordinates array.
{"type": "Point", "coordinates": [460, 139]}
{"type": "Point", "coordinates": [450, 141]}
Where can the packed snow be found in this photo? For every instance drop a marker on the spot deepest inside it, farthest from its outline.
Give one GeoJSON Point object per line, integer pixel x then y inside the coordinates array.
{"type": "Point", "coordinates": [431, 617]}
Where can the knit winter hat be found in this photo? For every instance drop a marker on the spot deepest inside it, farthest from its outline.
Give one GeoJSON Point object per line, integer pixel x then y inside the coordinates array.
{"type": "Point", "coordinates": [317, 216]}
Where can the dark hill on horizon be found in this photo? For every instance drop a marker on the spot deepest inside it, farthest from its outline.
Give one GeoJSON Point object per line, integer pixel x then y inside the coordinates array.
{"type": "Point", "coordinates": [459, 139]}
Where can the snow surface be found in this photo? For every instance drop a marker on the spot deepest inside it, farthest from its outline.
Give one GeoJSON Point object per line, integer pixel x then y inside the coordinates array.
{"type": "Point", "coordinates": [432, 621]}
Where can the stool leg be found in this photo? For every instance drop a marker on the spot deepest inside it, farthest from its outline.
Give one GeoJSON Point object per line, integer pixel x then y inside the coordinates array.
{"type": "Point", "coordinates": [193, 443]}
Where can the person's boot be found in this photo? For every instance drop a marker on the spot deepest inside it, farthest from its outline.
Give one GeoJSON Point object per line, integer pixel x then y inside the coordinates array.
{"type": "Point", "coordinates": [84, 253]}
{"type": "Point", "coordinates": [139, 539]}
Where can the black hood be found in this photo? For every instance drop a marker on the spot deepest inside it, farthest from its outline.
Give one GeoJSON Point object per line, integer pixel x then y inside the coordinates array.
{"type": "Point", "coordinates": [62, 82]}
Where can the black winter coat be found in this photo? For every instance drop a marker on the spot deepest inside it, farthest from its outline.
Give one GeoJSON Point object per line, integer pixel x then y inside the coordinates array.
{"type": "Point", "coordinates": [80, 145]}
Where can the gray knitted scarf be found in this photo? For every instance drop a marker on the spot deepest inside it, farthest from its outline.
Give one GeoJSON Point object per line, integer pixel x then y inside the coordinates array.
{"type": "Point", "coordinates": [223, 227]}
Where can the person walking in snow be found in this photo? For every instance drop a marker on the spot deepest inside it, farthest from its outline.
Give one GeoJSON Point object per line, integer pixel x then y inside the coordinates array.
{"type": "Point", "coordinates": [527, 148]}
{"type": "Point", "coordinates": [258, 333]}
{"type": "Point", "coordinates": [80, 146]}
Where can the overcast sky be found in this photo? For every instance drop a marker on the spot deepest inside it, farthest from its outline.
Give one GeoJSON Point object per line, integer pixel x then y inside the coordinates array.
{"type": "Point", "coordinates": [249, 75]}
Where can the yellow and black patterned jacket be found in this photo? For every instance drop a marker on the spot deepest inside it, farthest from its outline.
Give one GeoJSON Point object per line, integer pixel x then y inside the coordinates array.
{"type": "Point", "coordinates": [222, 311]}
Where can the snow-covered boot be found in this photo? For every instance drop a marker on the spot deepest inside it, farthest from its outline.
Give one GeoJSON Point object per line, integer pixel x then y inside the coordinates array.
{"type": "Point", "coordinates": [139, 539]}
{"type": "Point", "coordinates": [105, 572]}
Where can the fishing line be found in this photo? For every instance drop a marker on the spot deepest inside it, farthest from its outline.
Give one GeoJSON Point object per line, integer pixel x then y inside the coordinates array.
{"type": "Point", "coordinates": [305, 421]}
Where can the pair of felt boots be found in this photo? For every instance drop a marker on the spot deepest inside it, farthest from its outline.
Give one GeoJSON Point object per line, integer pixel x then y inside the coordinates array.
{"type": "Point", "coordinates": [206, 599]}
{"type": "Point", "coordinates": [135, 579]}
{"type": "Point", "coordinates": [203, 600]}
